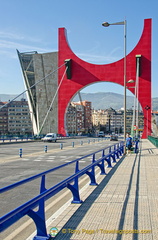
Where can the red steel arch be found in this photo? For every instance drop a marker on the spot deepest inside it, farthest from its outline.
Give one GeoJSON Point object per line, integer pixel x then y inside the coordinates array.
{"type": "Point", "coordinates": [84, 73]}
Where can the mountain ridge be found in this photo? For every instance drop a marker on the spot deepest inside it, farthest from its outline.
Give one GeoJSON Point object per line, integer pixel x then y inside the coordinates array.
{"type": "Point", "coordinates": [100, 100]}
{"type": "Point", "coordinates": [104, 100]}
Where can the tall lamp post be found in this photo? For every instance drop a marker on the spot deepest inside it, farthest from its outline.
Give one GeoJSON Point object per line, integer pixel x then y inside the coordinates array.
{"type": "Point", "coordinates": [106, 24]}
{"type": "Point", "coordinates": [147, 108]}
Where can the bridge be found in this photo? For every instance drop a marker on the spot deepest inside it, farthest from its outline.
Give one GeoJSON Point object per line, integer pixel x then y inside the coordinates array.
{"type": "Point", "coordinates": [122, 204]}
{"type": "Point", "coordinates": [48, 76]}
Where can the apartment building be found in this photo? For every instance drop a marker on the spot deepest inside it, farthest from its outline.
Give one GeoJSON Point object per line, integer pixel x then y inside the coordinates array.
{"type": "Point", "coordinates": [87, 115]}
{"type": "Point", "coordinates": [71, 121]}
{"type": "Point", "coordinates": [111, 120]}
{"type": "Point", "coordinates": [3, 118]}
{"type": "Point", "coordinates": [79, 117]}
{"type": "Point", "coordinates": [15, 118]}
{"type": "Point", "coordinates": [99, 117]}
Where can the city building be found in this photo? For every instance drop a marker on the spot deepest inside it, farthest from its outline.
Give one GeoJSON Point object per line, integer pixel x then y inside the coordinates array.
{"type": "Point", "coordinates": [3, 119]}
{"type": "Point", "coordinates": [87, 115]}
{"type": "Point", "coordinates": [112, 121]}
{"type": "Point", "coordinates": [108, 120]}
{"type": "Point", "coordinates": [15, 118]}
{"type": "Point", "coordinates": [41, 80]}
{"type": "Point", "coordinates": [99, 117]}
{"type": "Point", "coordinates": [79, 117]}
{"type": "Point", "coordinates": [71, 120]}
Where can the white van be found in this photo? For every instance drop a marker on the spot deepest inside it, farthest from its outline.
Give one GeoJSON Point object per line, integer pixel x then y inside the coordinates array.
{"type": "Point", "coordinates": [101, 134]}
{"type": "Point", "coordinates": [50, 137]}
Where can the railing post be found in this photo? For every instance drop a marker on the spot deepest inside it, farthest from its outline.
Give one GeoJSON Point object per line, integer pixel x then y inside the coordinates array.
{"type": "Point", "coordinates": [91, 173]}
{"type": "Point", "coordinates": [113, 156]}
{"type": "Point", "coordinates": [101, 165]}
{"type": "Point", "coordinates": [39, 216]}
{"type": "Point", "coordinates": [108, 160]}
{"type": "Point", "coordinates": [75, 187]}
{"type": "Point", "coordinates": [109, 149]}
{"type": "Point", "coordinates": [122, 147]}
{"type": "Point", "coordinates": [117, 151]}
{"type": "Point", "coordinates": [136, 146]}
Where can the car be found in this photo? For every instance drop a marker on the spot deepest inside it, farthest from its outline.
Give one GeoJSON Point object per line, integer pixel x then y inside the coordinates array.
{"type": "Point", "coordinates": [50, 137]}
{"type": "Point", "coordinates": [101, 134]}
{"type": "Point", "coordinates": [113, 138]}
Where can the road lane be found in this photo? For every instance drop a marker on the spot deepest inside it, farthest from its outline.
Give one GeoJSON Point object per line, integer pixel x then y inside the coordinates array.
{"type": "Point", "coordinates": [14, 168]}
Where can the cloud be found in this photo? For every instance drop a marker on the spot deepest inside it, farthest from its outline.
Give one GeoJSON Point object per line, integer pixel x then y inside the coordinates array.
{"type": "Point", "coordinates": [9, 42]}
{"type": "Point", "coordinates": [14, 36]}
{"type": "Point", "coordinates": [92, 56]}
{"type": "Point", "coordinates": [5, 44]}
{"type": "Point", "coordinates": [99, 59]}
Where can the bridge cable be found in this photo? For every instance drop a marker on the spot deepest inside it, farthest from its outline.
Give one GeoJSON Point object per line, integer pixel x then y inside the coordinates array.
{"type": "Point", "coordinates": [52, 101]}
{"type": "Point", "coordinates": [32, 86]}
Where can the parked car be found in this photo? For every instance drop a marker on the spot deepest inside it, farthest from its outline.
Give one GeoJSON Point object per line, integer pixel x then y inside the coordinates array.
{"type": "Point", "coordinates": [50, 137]}
{"type": "Point", "coordinates": [101, 134]}
{"type": "Point", "coordinates": [113, 138]}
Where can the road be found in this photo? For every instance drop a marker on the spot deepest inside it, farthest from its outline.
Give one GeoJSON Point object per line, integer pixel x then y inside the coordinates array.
{"type": "Point", "coordinates": [34, 160]}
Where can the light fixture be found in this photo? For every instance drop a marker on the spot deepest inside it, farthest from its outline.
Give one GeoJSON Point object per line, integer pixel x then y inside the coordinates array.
{"type": "Point", "coordinates": [106, 24]}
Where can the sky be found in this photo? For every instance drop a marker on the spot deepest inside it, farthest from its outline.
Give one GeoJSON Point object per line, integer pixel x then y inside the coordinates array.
{"type": "Point", "coordinates": [32, 25]}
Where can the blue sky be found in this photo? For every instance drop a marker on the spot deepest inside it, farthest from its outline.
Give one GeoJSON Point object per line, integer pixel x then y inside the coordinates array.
{"type": "Point", "coordinates": [32, 25]}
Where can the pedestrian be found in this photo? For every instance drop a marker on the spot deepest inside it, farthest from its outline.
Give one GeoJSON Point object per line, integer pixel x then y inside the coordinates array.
{"type": "Point", "coordinates": [128, 143]}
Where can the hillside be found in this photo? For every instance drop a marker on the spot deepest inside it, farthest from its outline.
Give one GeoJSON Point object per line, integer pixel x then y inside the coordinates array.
{"type": "Point", "coordinates": [103, 100]}
{"type": "Point", "coordinates": [100, 100]}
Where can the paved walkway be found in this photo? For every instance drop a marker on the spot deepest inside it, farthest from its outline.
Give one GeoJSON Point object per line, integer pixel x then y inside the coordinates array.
{"type": "Point", "coordinates": [124, 206]}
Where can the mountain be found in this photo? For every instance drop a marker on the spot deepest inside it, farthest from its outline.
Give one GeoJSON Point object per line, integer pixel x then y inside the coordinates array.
{"type": "Point", "coordinates": [155, 103]}
{"type": "Point", "coordinates": [103, 100]}
{"type": "Point", "coordinates": [7, 97]}
{"type": "Point", "coordinates": [100, 100]}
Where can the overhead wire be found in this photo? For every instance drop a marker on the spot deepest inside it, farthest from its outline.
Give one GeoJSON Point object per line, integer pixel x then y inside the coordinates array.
{"type": "Point", "coordinates": [31, 86]}
{"type": "Point", "coordinates": [52, 101]}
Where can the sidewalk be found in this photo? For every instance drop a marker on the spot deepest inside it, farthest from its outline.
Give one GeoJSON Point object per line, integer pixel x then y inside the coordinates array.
{"type": "Point", "coordinates": [124, 206]}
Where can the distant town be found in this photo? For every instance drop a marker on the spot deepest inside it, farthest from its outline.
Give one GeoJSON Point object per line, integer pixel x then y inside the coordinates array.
{"type": "Point", "coordinates": [81, 118]}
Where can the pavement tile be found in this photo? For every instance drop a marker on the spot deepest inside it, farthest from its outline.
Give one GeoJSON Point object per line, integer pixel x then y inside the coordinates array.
{"type": "Point", "coordinates": [122, 206]}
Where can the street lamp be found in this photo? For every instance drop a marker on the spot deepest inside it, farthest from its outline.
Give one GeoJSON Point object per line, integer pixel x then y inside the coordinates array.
{"type": "Point", "coordinates": [147, 108]}
{"type": "Point", "coordinates": [106, 24]}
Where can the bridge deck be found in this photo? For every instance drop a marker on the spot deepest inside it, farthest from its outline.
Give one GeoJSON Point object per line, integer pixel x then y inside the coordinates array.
{"type": "Point", "coordinates": [125, 199]}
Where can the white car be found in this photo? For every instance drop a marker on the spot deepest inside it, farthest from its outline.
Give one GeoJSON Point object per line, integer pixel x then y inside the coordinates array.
{"type": "Point", "coordinates": [101, 134]}
{"type": "Point", "coordinates": [50, 137]}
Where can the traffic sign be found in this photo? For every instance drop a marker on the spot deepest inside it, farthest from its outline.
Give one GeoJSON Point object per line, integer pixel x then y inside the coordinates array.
{"type": "Point", "coordinates": [135, 127]}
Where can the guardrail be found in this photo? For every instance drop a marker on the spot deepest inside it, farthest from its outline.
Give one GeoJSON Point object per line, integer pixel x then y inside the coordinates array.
{"type": "Point", "coordinates": [109, 154]}
{"type": "Point", "coordinates": [154, 140]}
{"type": "Point", "coordinates": [21, 139]}
{"type": "Point", "coordinates": [2, 140]}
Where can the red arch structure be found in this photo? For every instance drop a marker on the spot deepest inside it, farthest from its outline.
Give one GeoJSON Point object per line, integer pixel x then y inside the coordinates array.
{"type": "Point", "coordinates": [84, 73]}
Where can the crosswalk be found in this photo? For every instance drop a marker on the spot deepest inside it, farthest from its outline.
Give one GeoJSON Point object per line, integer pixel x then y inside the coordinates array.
{"type": "Point", "coordinates": [55, 158]}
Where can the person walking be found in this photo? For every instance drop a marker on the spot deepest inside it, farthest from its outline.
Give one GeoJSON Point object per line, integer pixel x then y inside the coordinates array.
{"type": "Point", "coordinates": [128, 143]}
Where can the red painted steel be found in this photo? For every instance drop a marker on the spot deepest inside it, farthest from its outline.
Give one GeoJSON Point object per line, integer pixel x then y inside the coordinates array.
{"type": "Point", "coordinates": [84, 73]}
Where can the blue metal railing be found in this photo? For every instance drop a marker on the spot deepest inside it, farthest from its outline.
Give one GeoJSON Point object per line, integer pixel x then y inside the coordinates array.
{"type": "Point", "coordinates": [153, 140]}
{"type": "Point", "coordinates": [72, 183]}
